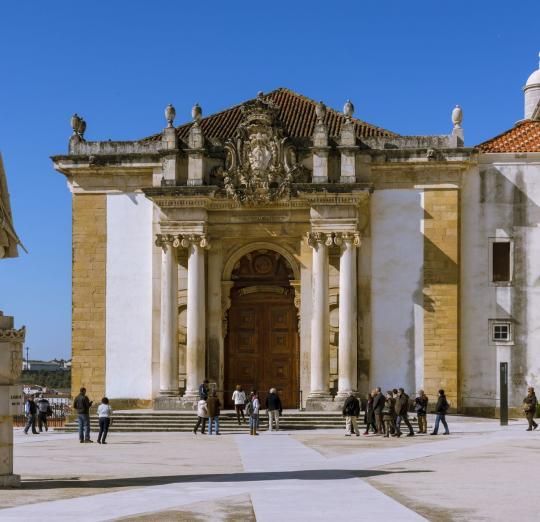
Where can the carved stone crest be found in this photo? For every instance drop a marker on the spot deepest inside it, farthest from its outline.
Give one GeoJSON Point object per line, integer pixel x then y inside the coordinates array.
{"type": "Point", "coordinates": [261, 163]}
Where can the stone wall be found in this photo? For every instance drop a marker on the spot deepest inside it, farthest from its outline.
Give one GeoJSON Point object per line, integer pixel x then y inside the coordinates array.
{"type": "Point", "coordinates": [441, 294]}
{"type": "Point", "coordinates": [88, 308]}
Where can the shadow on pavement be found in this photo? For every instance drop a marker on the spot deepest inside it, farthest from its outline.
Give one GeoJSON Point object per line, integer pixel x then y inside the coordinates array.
{"type": "Point", "coordinates": [316, 474]}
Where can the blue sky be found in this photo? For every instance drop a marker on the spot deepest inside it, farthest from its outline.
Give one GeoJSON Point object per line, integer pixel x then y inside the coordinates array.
{"type": "Point", "coordinates": [118, 63]}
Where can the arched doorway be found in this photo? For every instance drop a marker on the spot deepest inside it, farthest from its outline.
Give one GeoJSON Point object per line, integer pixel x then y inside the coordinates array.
{"type": "Point", "coordinates": [261, 347]}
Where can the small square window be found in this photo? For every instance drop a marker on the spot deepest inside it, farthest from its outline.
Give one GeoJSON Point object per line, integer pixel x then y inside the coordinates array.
{"type": "Point", "coordinates": [501, 332]}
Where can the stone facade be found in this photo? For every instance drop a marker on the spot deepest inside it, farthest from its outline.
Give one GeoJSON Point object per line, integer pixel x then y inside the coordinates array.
{"type": "Point", "coordinates": [377, 231]}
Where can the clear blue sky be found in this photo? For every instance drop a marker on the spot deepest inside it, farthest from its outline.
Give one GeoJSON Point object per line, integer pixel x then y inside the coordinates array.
{"type": "Point", "coordinates": [118, 63]}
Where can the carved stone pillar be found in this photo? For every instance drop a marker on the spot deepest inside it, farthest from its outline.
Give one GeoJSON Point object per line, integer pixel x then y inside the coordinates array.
{"type": "Point", "coordinates": [168, 345]}
{"type": "Point", "coordinates": [196, 310]}
{"type": "Point", "coordinates": [347, 351]}
{"type": "Point", "coordinates": [347, 146]}
{"type": "Point", "coordinates": [320, 356]}
{"type": "Point", "coordinates": [320, 147]}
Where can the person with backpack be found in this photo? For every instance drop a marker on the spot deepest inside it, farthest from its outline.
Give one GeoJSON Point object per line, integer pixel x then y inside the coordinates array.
{"type": "Point", "coordinates": [402, 412]}
{"type": "Point", "coordinates": [202, 415]}
{"type": "Point", "coordinates": [389, 415]}
{"type": "Point", "coordinates": [351, 410]}
{"type": "Point", "coordinates": [441, 409]}
{"type": "Point", "coordinates": [30, 410]}
{"type": "Point", "coordinates": [420, 407]}
{"type": "Point", "coordinates": [213, 406]}
{"type": "Point", "coordinates": [239, 399]}
{"type": "Point", "coordinates": [252, 410]}
{"type": "Point", "coordinates": [529, 408]}
{"type": "Point", "coordinates": [44, 411]}
{"type": "Point", "coordinates": [104, 412]}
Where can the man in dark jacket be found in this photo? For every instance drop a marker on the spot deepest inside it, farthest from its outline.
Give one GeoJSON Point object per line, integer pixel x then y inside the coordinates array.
{"type": "Point", "coordinates": [203, 390]}
{"type": "Point", "coordinates": [351, 410]}
{"type": "Point", "coordinates": [420, 407]}
{"type": "Point", "coordinates": [213, 407]}
{"type": "Point", "coordinates": [30, 410]}
{"type": "Point", "coordinates": [441, 409]}
{"type": "Point", "coordinates": [402, 412]}
{"type": "Point", "coordinates": [82, 405]}
{"type": "Point", "coordinates": [529, 408]}
{"type": "Point", "coordinates": [273, 406]}
{"type": "Point", "coordinates": [378, 405]}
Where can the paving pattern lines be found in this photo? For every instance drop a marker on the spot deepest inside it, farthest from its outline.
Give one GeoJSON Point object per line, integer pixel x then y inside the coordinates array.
{"type": "Point", "coordinates": [307, 486]}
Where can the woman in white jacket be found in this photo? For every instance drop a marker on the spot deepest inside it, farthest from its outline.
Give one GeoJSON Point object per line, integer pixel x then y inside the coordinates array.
{"type": "Point", "coordinates": [104, 412]}
{"type": "Point", "coordinates": [239, 398]}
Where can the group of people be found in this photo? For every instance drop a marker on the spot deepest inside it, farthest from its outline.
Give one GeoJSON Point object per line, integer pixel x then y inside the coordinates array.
{"type": "Point", "coordinates": [82, 405]}
{"type": "Point", "coordinates": [385, 413]}
{"type": "Point", "coordinates": [39, 411]}
{"type": "Point", "coordinates": [209, 405]}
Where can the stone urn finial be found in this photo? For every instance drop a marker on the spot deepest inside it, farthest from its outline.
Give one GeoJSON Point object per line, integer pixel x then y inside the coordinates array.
{"type": "Point", "coordinates": [320, 111]}
{"type": "Point", "coordinates": [457, 117]}
{"type": "Point", "coordinates": [170, 114]}
{"type": "Point", "coordinates": [348, 109]}
{"type": "Point", "coordinates": [196, 113]}
{"type": "Point", "coordinates": [78, 125]}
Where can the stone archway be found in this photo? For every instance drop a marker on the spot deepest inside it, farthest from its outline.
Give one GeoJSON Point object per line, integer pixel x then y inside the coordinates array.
{"type": "Point", "coordinates": [261, 343]}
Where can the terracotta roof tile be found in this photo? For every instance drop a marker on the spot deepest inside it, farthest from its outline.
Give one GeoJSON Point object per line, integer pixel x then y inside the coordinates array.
{"type": "Point", "coordinates": [524, 137]}
{"type": "Point", "coordinates": [296, 112]}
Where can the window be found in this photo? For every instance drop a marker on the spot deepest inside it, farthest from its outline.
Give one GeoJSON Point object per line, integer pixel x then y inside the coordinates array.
{"type": "Point", "coordinates": [501, 332]}
{"type": "Point", "coordinates": [500, 261]}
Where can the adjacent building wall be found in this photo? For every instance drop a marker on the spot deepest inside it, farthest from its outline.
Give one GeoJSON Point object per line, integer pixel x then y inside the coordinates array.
{"type": "Point", "coordinates": [501, 199]}
{"type": "Point", "coordinates": [129, 297]}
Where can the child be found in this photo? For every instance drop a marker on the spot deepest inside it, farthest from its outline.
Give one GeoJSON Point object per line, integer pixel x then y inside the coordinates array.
{"type": "Point", "coordinates": [104, 412]}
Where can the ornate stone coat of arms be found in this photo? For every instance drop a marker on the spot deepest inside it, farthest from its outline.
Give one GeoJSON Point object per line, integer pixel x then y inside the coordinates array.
{"type": "Point", "coordinates": [261, 163]}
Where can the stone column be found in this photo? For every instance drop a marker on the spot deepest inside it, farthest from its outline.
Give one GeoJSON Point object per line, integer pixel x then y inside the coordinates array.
{"type": "Point", "coordinates": [168, 345]}
{"type": "Point", "coordinates": [347, 351]}
{"type": "Point", "coordinates": [11, 343]}
{"type": "Point", "coordinates": [196, 314]}
{"type": "Point", "coordinates": [320, 356]}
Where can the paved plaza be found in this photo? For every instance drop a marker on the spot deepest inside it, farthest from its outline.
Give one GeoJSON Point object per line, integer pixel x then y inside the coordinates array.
{"type": "Point", "coordinates": [480, 472]}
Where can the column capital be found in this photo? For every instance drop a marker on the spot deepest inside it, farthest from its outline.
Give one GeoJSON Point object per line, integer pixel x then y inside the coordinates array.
{"type": "Point", "coordinates": [316, 239]}
{"type": "Point", "coordinates": [182, 241]}
{"type": "Point", "coordinates": [352, 238]}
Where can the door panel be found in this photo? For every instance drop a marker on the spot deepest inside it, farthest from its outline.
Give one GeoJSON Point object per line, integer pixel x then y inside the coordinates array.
{"type": "Point", "coordinates": [262, 347]}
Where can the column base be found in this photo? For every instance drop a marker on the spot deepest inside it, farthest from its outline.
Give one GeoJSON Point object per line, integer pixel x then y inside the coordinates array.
{"type": "Point", "coordinates": [10, 481]}
{"type": "Point", "coordinates": [165, 402]}
{"type": "Point", "coordinates": [320, 401]}
{"type": "Point", "coordinates": [190, 399]}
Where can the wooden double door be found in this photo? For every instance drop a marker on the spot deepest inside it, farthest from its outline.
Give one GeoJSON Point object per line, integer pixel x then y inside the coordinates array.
{"type": "Point", "coordinates": [262, 347]}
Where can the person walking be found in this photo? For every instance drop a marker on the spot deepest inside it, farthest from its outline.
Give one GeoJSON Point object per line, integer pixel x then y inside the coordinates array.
{"type": "Point", "coordinates": [203, 390]}
{"type": "Point", "coordinates": [273, 407]}
{"type": "Point", "coordinates": [529, 408]}
{"type": "Point", "coordinates": [202, 416]}
{"type": "Point", "coordinates": [402, 413]}
{"type": "Point", "coordinates": [82, 405]}
{"type": "Point", "coordinates": [30, 410]}
{"type": "Point", "coordinates": [239, 399]}
{"type": "Point", "coordinates": [213, 405]}
{"type": "Point", "coordinates": [104, 412]}
{"type": "Point", "coordinates": [388, 413]}
{"type": "Point", "coordinates": [369, 417]}
{"type": "Point", "coordinates": [252, 409]}
{"type": "Point", "coordinates": [351, 410]}
{"type": "Point", "coordinates": [378, 405]}
{"type": "Point", "coordinates": [44, 411]}
{"type": "Point", "coordinates": [420, 407]}
{"type": "Point", "coordinates": [441, 409]}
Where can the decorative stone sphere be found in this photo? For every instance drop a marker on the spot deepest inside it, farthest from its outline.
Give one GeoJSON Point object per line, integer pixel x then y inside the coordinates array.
{"type": "Point", "coordinates": [170, 114]}
{"type": "Point", "coordinates": [320, 111]}
{"type": "Point", "coordinates": [196, 112]}
{"type": "Point", "coordinates": [348, 109]}
{"type": "Point", "coordinates": [457, 116]}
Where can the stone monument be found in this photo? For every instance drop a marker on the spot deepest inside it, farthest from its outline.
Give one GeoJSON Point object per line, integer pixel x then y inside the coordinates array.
{"type": "Point", "coordinates": [11, 344]}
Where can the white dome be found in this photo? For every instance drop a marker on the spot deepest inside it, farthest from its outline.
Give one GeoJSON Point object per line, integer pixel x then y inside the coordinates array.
{"type": "Point", "coordinates": [534, 78]}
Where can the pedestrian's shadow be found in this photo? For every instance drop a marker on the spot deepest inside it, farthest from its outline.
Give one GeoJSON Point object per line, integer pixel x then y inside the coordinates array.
{"type": "Point", "coordinates": [314, 474]}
